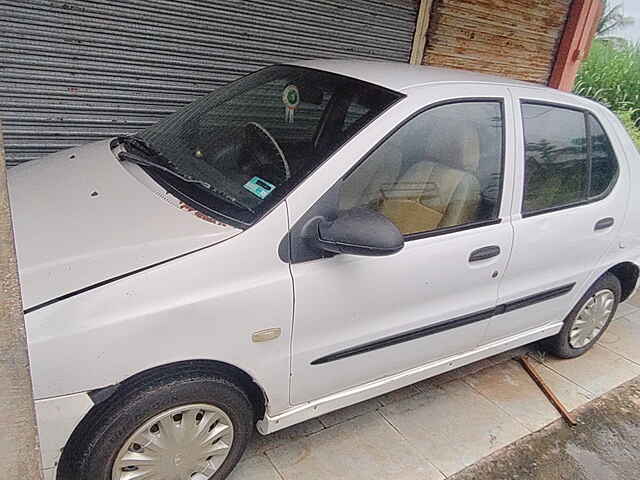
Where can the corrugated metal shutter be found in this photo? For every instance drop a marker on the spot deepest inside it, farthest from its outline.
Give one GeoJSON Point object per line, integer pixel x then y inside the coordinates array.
{"type": "Point", "coordinates": [74, 71]}
{"type": "Point", "coordinates": [513, 38]}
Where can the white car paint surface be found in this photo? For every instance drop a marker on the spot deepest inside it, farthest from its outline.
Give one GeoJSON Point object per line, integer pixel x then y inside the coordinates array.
{"type": "Point", "coordinates": [93, 222]}
{"type": "Point", "coordinates": [390, 295]}
{"type": "Point", "coordinates": [119, 277]}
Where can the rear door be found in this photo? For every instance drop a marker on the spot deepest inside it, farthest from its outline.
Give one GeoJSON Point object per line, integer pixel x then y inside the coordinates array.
{"type": "Point", "coordinates": [569, 201]}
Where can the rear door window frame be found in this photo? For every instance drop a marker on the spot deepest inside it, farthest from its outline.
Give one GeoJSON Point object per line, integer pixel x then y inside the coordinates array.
{"type": "Point", "coordinates": [586, 112]}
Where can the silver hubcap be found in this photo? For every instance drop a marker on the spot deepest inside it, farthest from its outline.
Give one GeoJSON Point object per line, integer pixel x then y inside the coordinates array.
{"type": "Point", "coordinates": [592, 318]}
{"type": "Point", "coordinates": [184, 443]}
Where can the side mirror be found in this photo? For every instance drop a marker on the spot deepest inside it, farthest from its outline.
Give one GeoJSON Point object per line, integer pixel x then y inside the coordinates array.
{"type": "Point", "coordinates": [358, 231]}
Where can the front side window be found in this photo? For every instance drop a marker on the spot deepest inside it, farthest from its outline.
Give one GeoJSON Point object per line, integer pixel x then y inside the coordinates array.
{"type": "Point", "coordinates": [441, 169]}
{"type": "Point", "coordinates": [568, 158]}
{"type": "Point", "coordinates": [246, 145]}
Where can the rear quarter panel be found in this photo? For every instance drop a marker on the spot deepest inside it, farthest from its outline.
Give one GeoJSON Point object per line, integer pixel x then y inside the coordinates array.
{"type": "Point", "coordinates": [627, 248]}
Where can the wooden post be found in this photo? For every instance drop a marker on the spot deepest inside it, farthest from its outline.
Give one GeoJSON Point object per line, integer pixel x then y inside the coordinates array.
{"type": "Point", "coordinates": [420, 35]}
{"type": "Point", "coordinates": [19, 453]}
{"type": "Point", "coordinates": [570, 419]}
{"type": "Point", "coordinates": [575, 44]}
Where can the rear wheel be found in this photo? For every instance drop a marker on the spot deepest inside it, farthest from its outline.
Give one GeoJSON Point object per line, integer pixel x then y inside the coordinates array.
{"type": "Point", "coordinates": [194, 426]}
{"type": "Point", "coordinates": [588, 320]}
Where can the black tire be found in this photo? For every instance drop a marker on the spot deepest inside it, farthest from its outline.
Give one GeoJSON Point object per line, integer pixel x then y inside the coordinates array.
{"type": "Point", "coordinates": [559, 344]}
{"type": "Point", "coordinates": [95, 444]}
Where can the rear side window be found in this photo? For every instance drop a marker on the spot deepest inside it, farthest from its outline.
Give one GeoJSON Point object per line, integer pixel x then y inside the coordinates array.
{"type": "Point", "coordinates": [604, 166]}
{"type": "Point", "coordinates": [568, 158]}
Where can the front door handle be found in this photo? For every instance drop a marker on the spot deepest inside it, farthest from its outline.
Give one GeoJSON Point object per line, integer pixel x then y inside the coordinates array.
{"type": "Point", "coordinates": [484, 253]}
{"type": "Point", "coordinates": [604, 223]}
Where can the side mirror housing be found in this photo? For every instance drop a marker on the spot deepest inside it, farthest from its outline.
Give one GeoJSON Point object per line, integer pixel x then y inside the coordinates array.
{"type": "Point", "coordinates": [358, 231]}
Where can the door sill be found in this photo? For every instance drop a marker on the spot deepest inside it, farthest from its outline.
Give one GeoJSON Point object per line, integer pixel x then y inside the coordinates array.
{"type": "Point", "coordinates": [321, 406]}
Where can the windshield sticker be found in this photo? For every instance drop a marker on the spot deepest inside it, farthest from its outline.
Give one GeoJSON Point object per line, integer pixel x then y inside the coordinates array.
{"type": "Point", "coordinates": [259, 187]}
{"type": "Point", "coordinates": [291, 100]}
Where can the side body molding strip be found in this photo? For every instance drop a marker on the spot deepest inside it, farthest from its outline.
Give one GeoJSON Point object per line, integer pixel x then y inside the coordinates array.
{"type": "Point", "coordinates": [407, 336]}
{"type": "Point", "coordinates": [445, 325]}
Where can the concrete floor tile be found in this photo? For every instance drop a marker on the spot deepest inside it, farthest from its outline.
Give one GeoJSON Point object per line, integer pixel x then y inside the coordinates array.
{"type": "Point", "coordinates": [260, 443]}
{"type": "Point", "coordinates": [352, 411]}
{"type": "Point", "coordinates": [401, 394]}
{"type": "Point", "coordinates": [474, 367]}
{"type": "Point", "coordinates": [363, 448]}
{"type": "Point", "coordinates": [453, 426]}
{"type": "Point", "coordinates": [635, 300]}
{"type": "Point", "coordinates": [625, 309]}
{"type": "Point", "coordinates": [254, 468]}
{"type": "Point", "coordinates": [568, 392]}
{"type": "Point", "coordinates": [598, 371]}
{"type": "Point", "coordinates": [623, 337]}
{"type": "Point", "coordinates": [459, 373]}
{"type": "Point", "coordinates": [510, 387]}
{"type": "Point", "coordinates": [428, 384]}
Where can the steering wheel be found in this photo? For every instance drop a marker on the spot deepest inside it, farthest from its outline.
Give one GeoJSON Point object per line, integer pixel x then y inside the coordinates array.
{"type": "Point", "coordinates": [263, 146]}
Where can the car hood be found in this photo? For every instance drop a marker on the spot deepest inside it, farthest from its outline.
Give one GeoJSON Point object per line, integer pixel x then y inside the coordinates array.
{"type": "Point", "coordinates": [80, 218]}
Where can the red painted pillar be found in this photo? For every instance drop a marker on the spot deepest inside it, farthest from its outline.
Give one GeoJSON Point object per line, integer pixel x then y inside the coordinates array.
{"type": "Point", "coordinates": [579, 32]}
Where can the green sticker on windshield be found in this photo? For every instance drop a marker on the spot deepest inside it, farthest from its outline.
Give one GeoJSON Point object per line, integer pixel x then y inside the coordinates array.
{"type": "Point", "coordinates": [259, 187]}
{"type": "Point", "coordinates": [291, 100]}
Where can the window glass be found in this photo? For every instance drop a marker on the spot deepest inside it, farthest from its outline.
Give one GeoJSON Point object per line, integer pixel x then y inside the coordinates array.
{"type": "Point", "coordinates": [355, 113]}
{"type": "Point", "coordinates": [556, 167]}
{"type": "Point", "coordinates": [443, 168]}
{"type": "Point", "coordinates": [562, 167]}
{"type": "Point", "coordinates": [266, 107]}
{"type": "Point", "coordinates": [243, 147]}
{"type": "Point", "coordinates": [604, 166]}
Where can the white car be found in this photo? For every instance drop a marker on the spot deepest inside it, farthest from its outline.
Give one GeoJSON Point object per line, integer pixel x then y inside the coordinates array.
{"type": "Point", "coordinates": [307, 237]}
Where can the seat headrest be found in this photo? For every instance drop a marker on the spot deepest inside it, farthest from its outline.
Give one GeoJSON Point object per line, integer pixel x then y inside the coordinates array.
{"type": "Point", "coordinates": [455, 144]}
{"type": "Point", "coordinates": [390, 151]}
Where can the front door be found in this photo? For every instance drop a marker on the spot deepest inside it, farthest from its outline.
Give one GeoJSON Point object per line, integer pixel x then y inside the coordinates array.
{"type": "Point", "coordinates": [440, 178]}
{"type": "Point", "coordinates": [570, 202]}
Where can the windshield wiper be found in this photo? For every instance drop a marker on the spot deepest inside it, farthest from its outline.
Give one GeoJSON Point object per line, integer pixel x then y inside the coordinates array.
{"type": "Point", "coordinates": [149, 160]}
{"type": "Point", "coordinates": [139, 144]}
{"type": "Point", "coordinates": [138, 160]}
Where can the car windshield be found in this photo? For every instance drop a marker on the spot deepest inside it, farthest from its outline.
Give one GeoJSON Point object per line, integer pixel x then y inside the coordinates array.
{"type": "Point", "coordinates": [243, 147]}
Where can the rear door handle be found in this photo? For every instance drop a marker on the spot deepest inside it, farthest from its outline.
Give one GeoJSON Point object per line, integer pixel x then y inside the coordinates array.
{"type": "Point", "coordinates": [604, 223]}
{"type": "Point", "coordinates": [484, 253]}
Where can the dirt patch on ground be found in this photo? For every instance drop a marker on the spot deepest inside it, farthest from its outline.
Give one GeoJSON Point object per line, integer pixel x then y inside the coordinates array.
{"type": "Point", "coordinates": [604, 445]}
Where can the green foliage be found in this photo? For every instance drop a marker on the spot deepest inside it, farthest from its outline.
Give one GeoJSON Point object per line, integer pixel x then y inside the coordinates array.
{"type": "Point", "coordinates": [611, 75]}
{"type": "Point", "coordinates": [627, 120]}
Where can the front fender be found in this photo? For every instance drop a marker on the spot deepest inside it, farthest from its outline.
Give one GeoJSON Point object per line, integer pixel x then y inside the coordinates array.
{"type": "Point", "coordinates": [206, 305]}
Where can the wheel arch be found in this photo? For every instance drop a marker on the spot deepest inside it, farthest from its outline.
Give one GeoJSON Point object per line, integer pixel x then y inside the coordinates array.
{"type": "Point", "coordinates": [627, 273]}
{"type": "Point", "coordinates": [231, 372]}
{"type": "Point", "coordinates": [101, 396]}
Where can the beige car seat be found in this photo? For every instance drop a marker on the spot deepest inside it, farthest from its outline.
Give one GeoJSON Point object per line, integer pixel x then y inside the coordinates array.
{"type": "Point", "coordinates": [362, 189]}
{"type": "Point", "coordinates": [442, 190]}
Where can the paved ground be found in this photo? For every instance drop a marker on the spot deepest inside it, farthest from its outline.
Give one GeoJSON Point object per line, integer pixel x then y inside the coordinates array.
{"type": "Point", "coordinates": [603, 446]}
{"type": "Point", "coordinates": [439, 427]}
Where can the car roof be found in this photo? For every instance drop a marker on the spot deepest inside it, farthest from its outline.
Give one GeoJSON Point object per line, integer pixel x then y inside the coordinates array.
{"type": "Point", "coordinates": [400, 76]}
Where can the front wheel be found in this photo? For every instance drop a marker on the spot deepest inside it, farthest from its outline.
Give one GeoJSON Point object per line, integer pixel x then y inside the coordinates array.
{"type": "Point", "coordinates": [588, 320]}
{"type": "Point", "coordinates": [194, 426]}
